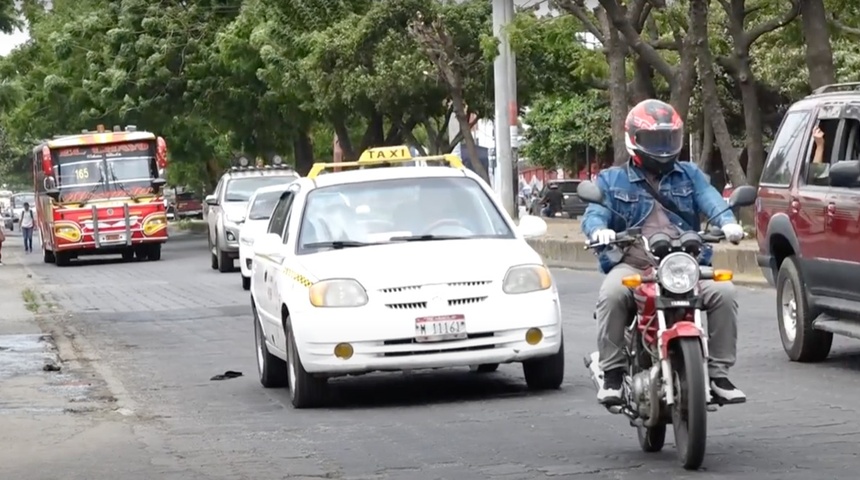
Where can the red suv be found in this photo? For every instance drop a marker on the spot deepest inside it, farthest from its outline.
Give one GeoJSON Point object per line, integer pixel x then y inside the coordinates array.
{"type": "Point", "coordinates": [808, 222]}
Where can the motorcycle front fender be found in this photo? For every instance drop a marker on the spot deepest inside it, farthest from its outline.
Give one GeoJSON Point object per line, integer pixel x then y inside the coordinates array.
{"type": "Point", "coordinates": [683, 329]}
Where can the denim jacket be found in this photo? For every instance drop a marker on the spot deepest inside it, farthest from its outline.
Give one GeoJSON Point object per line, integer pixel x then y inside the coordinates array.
{"type": "Point", "coordinates": [686, 185]}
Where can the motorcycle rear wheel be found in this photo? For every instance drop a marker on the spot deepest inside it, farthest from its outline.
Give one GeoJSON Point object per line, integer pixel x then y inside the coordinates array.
{"type": "Point", "coordinates": [690, 411]}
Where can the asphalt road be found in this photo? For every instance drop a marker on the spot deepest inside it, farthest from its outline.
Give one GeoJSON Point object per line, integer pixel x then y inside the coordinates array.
{"type": "Point", "coordinates": [160, 330]}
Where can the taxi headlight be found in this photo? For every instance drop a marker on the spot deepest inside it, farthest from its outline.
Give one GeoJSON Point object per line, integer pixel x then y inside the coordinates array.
{"type": "Point", "coordinates": [527, 278]}
{"type": "Point", "coordinates": [337, 293]}
{"type": "Point", "coordinates": [678, 273]}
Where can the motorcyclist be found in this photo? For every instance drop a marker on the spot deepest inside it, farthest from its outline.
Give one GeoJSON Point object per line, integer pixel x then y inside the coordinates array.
{"type": "Point", "coordinates": [554, 201]}
{"type": "Point", "coordinates": [654, 135]}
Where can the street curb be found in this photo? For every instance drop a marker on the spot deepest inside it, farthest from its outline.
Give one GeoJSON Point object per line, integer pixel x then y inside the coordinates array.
{"type": "Point", "coordinates": [571, 254]}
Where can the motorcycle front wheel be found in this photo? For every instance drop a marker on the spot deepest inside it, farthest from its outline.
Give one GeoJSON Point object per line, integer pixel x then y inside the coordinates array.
{"type": "Point", "coordinates": [690, 411]}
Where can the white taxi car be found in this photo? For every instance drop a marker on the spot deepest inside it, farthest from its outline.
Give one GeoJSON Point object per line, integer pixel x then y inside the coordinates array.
{"type": "Point", "coordinates": [415, 268]}
{"type": "Point", "coordinates": [256, 219]}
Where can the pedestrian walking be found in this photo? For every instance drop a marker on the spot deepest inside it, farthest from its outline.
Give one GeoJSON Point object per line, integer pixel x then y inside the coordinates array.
{"type": "Point", "coordinates": [2, 239]}
{"type": "Point", "coordinates": [28, 221]}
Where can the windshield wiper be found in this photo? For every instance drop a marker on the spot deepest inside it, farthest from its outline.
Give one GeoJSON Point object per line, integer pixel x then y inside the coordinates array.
{"type": "Point", "coordinates": [425, 238]}
{"type": "Point", "coordinates": [339, 244]}
{"type": "Point", "coordinates": [92, 191]}
{"type": "Point", "coordinates": [120, 184]}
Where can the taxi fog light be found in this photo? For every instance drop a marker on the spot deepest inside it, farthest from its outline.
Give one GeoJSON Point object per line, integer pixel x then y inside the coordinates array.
{"type": "Point", "coordinates": [534, 336]}
{"type": "Point", "coordinates": [337, 293]}
{"type": "Point", "coordinates": [527, 278]}
{"type": "Point", "coordinates": [231, 237]}
{"type": "Point", "coordinates": [343, 351]}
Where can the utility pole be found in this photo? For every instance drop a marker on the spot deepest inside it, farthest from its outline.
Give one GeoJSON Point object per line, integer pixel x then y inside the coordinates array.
{"type": "Point", "coordinates": [513, 112]}
{"type": "Point", "coordinates": [503, 181]}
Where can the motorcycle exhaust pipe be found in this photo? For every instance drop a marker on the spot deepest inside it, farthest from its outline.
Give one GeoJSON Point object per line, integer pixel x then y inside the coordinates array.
{"type": "Point", "coordinates": [654, 397]}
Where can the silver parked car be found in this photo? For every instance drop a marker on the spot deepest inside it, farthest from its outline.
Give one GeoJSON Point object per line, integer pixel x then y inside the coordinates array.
{"type": "Point", "coordinates": [224, 210]}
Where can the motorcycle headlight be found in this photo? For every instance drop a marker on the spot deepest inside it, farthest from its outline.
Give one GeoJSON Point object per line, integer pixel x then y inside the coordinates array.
{"type": "Point", "coordinates": [527, 278]}
{"type": "Point", "coordinates": [337, 293]}
{"type": "Point", "coordinates": [678, 273]}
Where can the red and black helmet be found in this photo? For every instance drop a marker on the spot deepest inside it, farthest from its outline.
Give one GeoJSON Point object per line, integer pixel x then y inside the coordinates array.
{"type": "Point", "coordinates": [654, 135]}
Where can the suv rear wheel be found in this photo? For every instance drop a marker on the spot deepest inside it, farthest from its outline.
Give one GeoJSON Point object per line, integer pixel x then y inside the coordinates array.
{"type": "Point", "coordinates": [801, 342]}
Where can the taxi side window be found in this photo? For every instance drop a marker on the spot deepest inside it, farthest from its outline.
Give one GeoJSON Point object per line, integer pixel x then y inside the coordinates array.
{"type": "Point", "coordinates": [279, 215]}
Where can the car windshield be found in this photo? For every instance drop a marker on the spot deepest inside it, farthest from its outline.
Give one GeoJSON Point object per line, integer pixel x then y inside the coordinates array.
{"type": "Point", "coordinates": [18, 201]}
{"type": "Point", "coordinates": [263, 205]}
{"type": "Point", "coordinates": [411, 209]}
{"type": "Point", "coordinates": [119, 168]}
{"type": "Point", "coordinates": [241, 189]}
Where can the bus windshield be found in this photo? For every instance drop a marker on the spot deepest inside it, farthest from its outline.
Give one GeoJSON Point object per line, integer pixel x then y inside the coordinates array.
{"type": "Point", "coordinates": [119, 169]}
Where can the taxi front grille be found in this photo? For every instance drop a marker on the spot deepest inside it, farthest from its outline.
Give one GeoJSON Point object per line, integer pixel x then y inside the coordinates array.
{"type": "Point", "coordinates": [407, 305]}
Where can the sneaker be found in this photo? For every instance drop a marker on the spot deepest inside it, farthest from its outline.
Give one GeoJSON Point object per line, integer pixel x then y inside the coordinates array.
{"type": "Point", "coordinates": [610, 392]}
{"type": "Point", "coordinates": [727, 391]}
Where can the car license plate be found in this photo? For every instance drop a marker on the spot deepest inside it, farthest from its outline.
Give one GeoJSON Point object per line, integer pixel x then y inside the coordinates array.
{"type": "Point", "coordinates": [111, 238]}
{"type": "Point", "coordinates": [437, 329]}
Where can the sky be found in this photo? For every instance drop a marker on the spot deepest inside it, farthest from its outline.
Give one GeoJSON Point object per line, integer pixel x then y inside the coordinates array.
{"type": "Point", "coordinates": [8, 42]}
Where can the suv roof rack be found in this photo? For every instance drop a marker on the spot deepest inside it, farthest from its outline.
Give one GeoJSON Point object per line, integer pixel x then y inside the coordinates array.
{"type": "Point", "coordinates": [837, 87]}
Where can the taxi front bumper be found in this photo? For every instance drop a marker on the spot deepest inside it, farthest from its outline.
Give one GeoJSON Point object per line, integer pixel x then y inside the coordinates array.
{"type": "Point", "coordinates": [382, 339]}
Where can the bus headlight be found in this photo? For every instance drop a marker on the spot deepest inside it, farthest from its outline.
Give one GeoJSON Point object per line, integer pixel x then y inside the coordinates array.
{"type": "Point", "coordinates": [68, 231]}
{"type": "Point", "coordinates": [154, 224]}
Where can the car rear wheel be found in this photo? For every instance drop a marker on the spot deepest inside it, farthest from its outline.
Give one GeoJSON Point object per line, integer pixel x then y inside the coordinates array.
{"type": "Point", "coordinates": [545, 373]}
{"type": "Point", "coordinates": [801, 342]}
{"type": "Point", "coordinates": [154, 252]}
{"type": "Point", "coordinates": [306, 391]}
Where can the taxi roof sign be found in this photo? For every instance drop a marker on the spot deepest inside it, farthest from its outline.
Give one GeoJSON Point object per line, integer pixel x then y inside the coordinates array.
{"type": "Point", "coordinates": [452, 160]}
{"type": "Point", "coordinates": [399, 152]}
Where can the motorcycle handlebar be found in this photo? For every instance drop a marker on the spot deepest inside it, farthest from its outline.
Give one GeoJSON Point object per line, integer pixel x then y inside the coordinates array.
{"type": "Point", "coordinates": [622, 238]}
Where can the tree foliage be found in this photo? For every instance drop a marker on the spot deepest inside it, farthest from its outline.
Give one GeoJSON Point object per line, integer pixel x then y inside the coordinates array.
{"type": "Point", "coordinates": [220, 77]}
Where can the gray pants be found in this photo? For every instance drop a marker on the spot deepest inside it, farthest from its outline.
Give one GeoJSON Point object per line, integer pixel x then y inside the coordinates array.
{"type": "Point", "coordinates": [615, 309]}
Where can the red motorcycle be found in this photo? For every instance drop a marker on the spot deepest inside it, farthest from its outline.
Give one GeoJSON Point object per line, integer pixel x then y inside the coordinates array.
{"type": "Point", "coordinates": [666, 343]}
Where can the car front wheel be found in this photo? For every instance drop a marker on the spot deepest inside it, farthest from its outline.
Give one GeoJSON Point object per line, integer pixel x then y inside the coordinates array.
{"type": "Point", "coordinates": [801, 342]}
{"type": "Point", "coordinates": [545, 373]}
{"type": "Point", "coordinates": [246, 283]}
{"type": "Point", "coordinates": [306, 391]}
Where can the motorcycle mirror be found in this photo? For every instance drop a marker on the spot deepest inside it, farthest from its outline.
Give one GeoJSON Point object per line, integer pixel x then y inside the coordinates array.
{"type": "Point", "coordinates": [588, 192]}
{"type": "Point", "coordinates": [743, 196]}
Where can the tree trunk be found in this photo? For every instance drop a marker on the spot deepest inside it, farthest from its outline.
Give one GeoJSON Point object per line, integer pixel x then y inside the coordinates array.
{"type": "Point", "coordinates": [303, 150]}
{"type": "Point", "coordinates": [343, 139]}
{"type": "Point", "coordinates": [819, 54]}
{"type": "Point", "coordinates": [710, 96]}
{"type": "Point", "coordinates": [707, 149]}
{"type": "Point", "coordinates": [471, 147]}
{"type": "Point", "coordinates": [752, 122]}
{"type": "Point", "coordinates": [616, 56]}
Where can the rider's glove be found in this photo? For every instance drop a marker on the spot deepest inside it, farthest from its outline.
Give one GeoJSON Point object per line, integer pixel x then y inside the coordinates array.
{"type": "Point", "coordinates": [603, 236]}
{"type": "Point", "coordinates": [733, 232]}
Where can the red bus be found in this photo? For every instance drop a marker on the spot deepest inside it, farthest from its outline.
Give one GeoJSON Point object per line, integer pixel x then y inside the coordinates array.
{"type": "Point", "coordinates": [101, 193]}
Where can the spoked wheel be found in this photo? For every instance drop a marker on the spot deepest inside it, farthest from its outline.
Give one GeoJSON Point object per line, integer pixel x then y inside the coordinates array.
{"type": "Point", "coordinates": [690, 411]}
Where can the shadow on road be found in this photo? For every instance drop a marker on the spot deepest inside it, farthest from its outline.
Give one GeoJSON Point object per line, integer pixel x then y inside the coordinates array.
{"type": "Point", "coordinates": [385, 390]}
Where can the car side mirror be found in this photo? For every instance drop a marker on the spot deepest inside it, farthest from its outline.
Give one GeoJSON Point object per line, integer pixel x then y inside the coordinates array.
{"type": "Point", "coordinates": [269, 245]}
{"type": "Point", "coordinates": [531, 226]}
{"type": "Point", "coordinates": [845, 173]}
{"type": "Point", "coordinates": [743, 196]}
{"type": "Point", "coordinates": [210, 200]}
{"type": "Point", "coordinates": [589, 192]}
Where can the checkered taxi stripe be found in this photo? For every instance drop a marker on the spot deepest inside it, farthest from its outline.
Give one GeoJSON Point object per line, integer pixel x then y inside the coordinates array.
{"type": "Point", "coordinates": [299, 278]}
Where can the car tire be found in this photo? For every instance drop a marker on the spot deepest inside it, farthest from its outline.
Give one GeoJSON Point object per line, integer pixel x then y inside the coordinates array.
{"type": "Point", "coordinates": [802, 343]}
{"type": "Point", "coordinates": [306, 391]}
{"type": "Point", "coordinates": [272, 370]}
{"type": "Point", "coordinates": [246, 283]}
{"type": "Point", "coordinates": [213, 259]}
{"type": "Point", "coordinates": [127, 255]}
{"type": "Point", "coordinates": [485, 368]}
{"type": "Point", "coordinates": [62, 259]}
{"type": "Point", "coordinates": [545, 373]}
{"type": "Point", "coordinates": [225, 263]}
{"type": "Point", "coordinates": [48, 256]}
{"type": "Point", "coordinates": [153, 252]}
